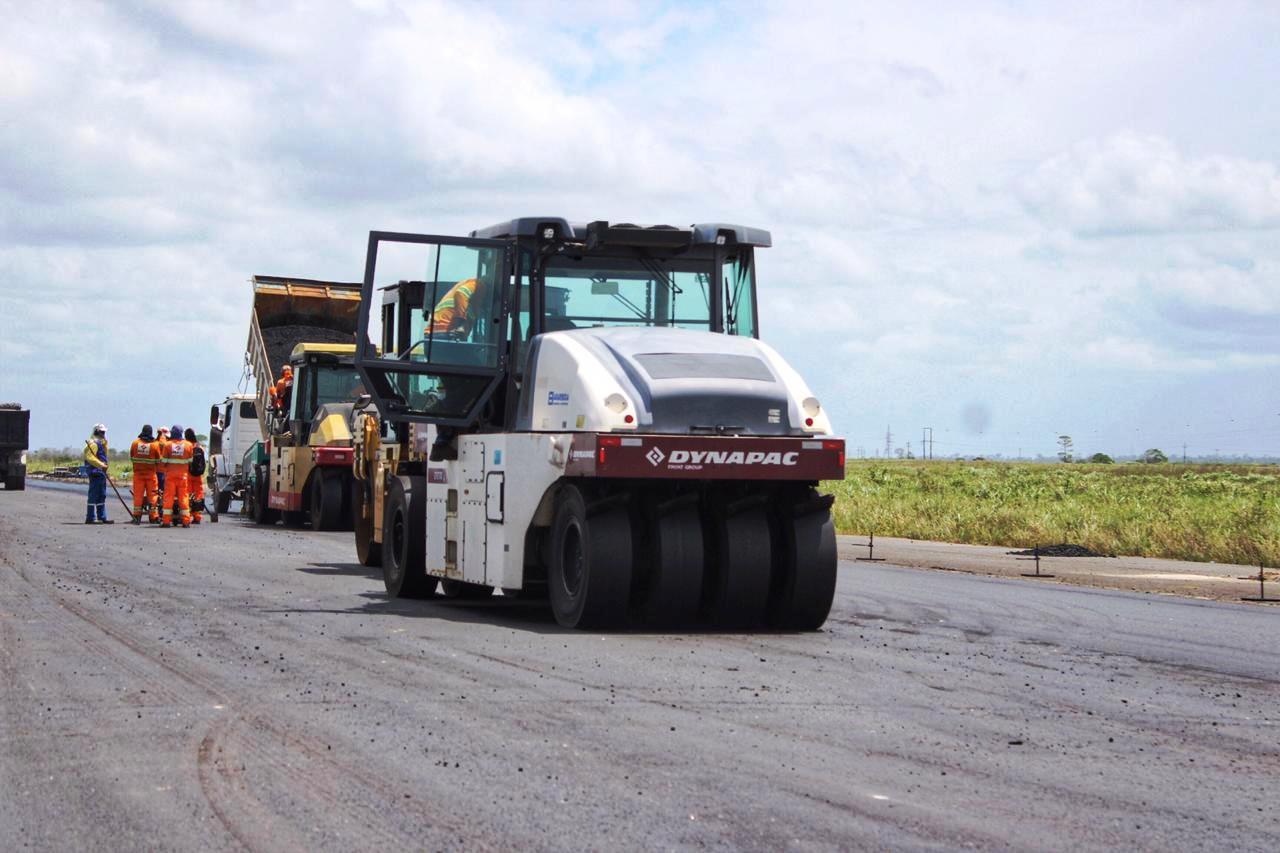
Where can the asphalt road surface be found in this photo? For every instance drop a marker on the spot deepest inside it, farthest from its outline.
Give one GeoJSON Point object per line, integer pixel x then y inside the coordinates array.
{"type": "Point", "coordinates": [233, 687]}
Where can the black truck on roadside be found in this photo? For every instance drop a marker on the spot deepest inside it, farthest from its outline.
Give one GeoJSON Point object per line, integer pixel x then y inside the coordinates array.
{"type": "Point", "coordinates": [15, 423]}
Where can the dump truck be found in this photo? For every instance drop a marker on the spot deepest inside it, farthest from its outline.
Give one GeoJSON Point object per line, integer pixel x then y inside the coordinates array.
{"type": "Point", "coordinates": [300, 468]}
{"type": "Point", "coordinates": [585, 413]}
{"type": "Point", "coordinates": [15, 424]}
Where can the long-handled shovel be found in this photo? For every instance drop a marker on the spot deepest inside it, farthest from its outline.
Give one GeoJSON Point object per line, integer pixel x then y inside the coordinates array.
{"type": "Point", "coordinates": [128, 509]}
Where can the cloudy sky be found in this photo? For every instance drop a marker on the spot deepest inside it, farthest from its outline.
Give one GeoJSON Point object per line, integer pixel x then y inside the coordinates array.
{"type": "Point", "coordinates": [1005, 221]}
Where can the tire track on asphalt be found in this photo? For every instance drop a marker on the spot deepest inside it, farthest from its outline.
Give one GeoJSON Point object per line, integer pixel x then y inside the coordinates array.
{"type": "Point", "coordinates": [259, 737]}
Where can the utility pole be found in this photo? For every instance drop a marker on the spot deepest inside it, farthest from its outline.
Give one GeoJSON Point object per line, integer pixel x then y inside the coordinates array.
{"type": "Point", "coordinates": [1184, 453]}
{"type": "Point", "coordinates": [926, 443]}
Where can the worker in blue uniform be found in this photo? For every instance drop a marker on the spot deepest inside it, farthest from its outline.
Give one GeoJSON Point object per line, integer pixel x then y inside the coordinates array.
{"type": "Point", "coordinates": [95, 460]}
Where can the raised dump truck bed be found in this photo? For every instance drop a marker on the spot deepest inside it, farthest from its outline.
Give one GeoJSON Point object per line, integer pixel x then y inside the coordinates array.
{"type": "Point", "coordinates": [292, 311]}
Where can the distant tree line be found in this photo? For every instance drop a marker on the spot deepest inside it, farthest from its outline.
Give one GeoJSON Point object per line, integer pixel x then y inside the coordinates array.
{"type": "Point", "coordinates": [1066, 453]}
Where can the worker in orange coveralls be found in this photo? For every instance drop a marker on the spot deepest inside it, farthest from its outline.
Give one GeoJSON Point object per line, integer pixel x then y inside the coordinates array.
{"type": "Point", "coordinates": [144, 453]}
{"type": "Point", "coordinates": [162, 441]}
{"type": "Point", "coordinates": [177, 456]}
{"type": "Point", "coordinates": [280, 394]}
{"type": "Point", "coordinates": [195, 476]}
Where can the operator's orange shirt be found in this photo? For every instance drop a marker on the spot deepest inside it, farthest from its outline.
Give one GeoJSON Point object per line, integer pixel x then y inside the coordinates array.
{"type": "Point", "coordinates": [454, 308]}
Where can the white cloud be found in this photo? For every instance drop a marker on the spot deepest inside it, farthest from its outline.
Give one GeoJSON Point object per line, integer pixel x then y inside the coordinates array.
{"type": "Point", "coordinates": [1131, 183]}
{"type": "Point", "coordinates": [933, 240]}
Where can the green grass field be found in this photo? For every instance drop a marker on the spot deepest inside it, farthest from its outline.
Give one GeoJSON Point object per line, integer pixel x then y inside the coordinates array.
{"type": "Point", "coordinates": [1222, 513]}
{"type": "Point", "coordinates": [120, 470]}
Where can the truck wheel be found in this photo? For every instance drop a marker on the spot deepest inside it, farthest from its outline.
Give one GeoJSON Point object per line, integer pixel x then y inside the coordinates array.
{"type": "Point", "coordinates": [222, 503]}
{"type": "Point", "coordinates": [403, 544]}
{"type": "Point", "coordinates": [16, 479]}
{"type": "Point", "coordinates": [737, 587]}
{"type": "Point", "coordinates": [807, 562]}
{"type": "Point", "coordinates": [259, 511]}
{"type": "Point", "coordinates": [463, 591]}
{"type": "Point", "coordinates": [368, 552]}
{"type": "Point", "coordinates": [672, 588]}
{"type": "Point", "coordinates": [590, 570]}
{"type": "Point", "coordinates": [326, 500]}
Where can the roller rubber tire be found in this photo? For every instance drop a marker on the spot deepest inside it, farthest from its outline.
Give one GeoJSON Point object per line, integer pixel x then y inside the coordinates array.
{"type": "Point", "coordinates": [368, 551]}
{"type": "Point", "coordinates": [737, 592]}
{"type": "Point", "coordinates": [463, 591]}
{"type": "Point", "coordinates": [222, 503]}
{"type": "Point", "coordinates": [590, 567]}
{"type": "Point", "coordinates": [326, 500]}
{"type": "Point", "coordinates": [807, 563]}
{"type": "Point", "coordinates": [672, 587]}
{"type": "Point", "coordinates": [403, 544]}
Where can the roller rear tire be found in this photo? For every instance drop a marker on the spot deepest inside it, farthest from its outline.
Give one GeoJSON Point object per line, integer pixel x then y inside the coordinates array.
{"type": "Point", "coordinates": [326, 500]}
{"type": "Point", "coordinates": [806, 567]}
{"type": "Point", "coordinates": [590, 567]}
{"type": "Point", "coordinates": [671, 590]}
{"type": "Point", "coordinates": [737, 589]}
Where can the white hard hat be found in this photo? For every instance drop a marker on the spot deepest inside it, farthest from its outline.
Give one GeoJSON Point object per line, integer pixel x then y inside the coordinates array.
{"type": "Point", "coordinates": [102, 428]}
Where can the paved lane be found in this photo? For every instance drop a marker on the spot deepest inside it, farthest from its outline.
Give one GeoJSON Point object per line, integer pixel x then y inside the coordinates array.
{"type": "Point", "coordinates": [232, 687]}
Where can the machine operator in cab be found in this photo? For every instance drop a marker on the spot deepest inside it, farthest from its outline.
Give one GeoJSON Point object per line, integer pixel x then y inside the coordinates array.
{"type": "Point", "coordinates": [452, 317]}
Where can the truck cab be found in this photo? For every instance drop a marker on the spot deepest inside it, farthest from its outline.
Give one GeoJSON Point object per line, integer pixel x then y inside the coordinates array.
{"type": "Point", "coordinates": [233, 428]}
{"type": "Point", "coordinates": [15, 424]}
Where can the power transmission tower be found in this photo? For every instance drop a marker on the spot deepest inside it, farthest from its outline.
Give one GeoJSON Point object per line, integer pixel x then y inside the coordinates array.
{"type": "Point", "coordinates": [888, 443]}
{"type": "Point", "coordinates": [926, 443]}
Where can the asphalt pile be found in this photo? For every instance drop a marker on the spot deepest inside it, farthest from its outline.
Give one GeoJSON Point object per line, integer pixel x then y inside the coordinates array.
{"type": "Point", "coordinates": [280, 341]}
{"type": "Point", "coordinates": [1063, 549]}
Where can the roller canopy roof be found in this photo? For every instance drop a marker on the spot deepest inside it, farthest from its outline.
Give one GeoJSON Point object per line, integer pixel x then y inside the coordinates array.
{"type": "Point", "coordinates": [703, 233]}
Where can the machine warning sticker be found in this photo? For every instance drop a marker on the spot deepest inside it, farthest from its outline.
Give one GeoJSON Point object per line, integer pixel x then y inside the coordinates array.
{"type": "Point", "coordinates": [557, 398]}
{"type": "Point", "coordinates": [497, 457]}
{"type": "Point", "coordinates": [437, 475]}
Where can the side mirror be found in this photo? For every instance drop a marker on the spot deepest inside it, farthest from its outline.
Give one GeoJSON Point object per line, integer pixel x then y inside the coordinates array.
{"type": "Point", "coordinates": [213, 415]}
{"type": "Point", "coordinates": [604, 288]}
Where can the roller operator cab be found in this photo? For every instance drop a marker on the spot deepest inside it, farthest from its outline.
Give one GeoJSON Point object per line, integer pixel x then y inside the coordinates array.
{"type": "Point", "coordinates": [586, 413]}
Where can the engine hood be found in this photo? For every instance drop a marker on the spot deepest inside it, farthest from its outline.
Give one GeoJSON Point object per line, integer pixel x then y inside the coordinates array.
{"type": "Point", "coordinates": [674, 381]}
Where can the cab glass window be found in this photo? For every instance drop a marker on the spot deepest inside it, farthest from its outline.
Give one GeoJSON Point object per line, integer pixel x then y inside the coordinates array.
{"type": "Point", "coordinates": [739, 280]}
{"type": "Point", "coordinates": [435, 333]}
{"type": "Point", "coordinates": [586, 292]}
{"type": "Point", "coordinates": [455, 322]}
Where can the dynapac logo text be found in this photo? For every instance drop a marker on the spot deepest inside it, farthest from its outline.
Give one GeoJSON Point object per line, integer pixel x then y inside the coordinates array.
{"type": "Point", "coordinates": [736, 457]}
